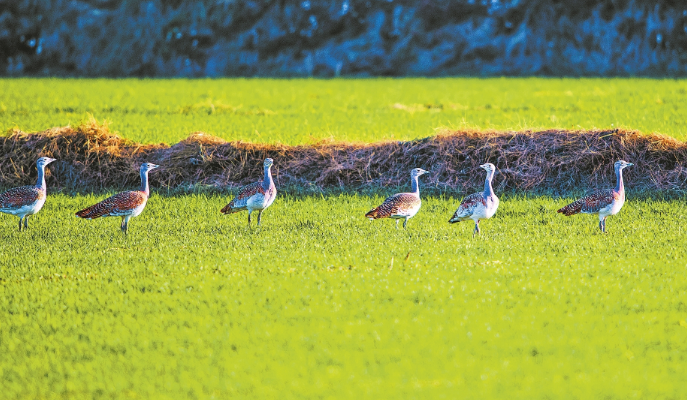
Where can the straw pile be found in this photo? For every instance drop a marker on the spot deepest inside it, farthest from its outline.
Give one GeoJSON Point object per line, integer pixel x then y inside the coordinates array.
{"type": "Point", "coordinates": [91, 158]}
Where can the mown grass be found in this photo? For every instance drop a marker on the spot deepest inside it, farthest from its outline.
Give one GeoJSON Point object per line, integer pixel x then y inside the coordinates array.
{"type": "Point", "coordinates": [305, 110]}
{"type": "Point", "coordinates": [321, 303]}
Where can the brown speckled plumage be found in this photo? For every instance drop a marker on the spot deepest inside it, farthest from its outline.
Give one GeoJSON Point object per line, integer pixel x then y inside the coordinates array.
{"type": "Point", "coordinates": [126, 204]}
{"type": "Point", "coordinates": [602, 202]}
{"type": "Point", "coordinates": [397, 204]}
{"type": "Point", "coordinates": [402, 205]}
{"type": "Point", "coordinates": [592, 203]}
{"type": "Point", "coordinates": [239, 202]}
{"type": "Point", "coordinates": [117, 205]}
{"type": "Point", "coordinates": [480, 205]}
{"type": "Point", "coordinates": [257, 196]}
{"type": "Point", "coordinates": [26, 201]}
{"type": "Point", "coordinates": [469, 203]}
{"type": "Point", "coordinates": [20, 197]}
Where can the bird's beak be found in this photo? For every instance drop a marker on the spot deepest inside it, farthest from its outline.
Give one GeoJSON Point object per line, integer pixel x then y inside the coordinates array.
{"type": "Point", "coordinates": [155, 166]}
{"type": "Point", "coordinates": [51, 160]}
{"type": "Point", "coordinates": [629, 164]}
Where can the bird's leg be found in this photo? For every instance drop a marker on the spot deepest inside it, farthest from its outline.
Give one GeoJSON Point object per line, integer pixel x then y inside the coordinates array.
{"type": "Point", "coordinates": [476, 231]}
{"type": "Point", "coordinates": [123, 226]}
{"type": "Point", "coordinates": [397, 224]}
{"type": "Point", "coordinates": [249, 211]}
{"type": "Point", "coordinates": [259, 216]}
{"type": "Point", "coordinates": [26, 222]}
{"type": "Point", "coordinates": [405, 222]}
{"type": "Point", "coordinates": [604, 230]}
{"type": "Point", "coordinates": [20, 218]}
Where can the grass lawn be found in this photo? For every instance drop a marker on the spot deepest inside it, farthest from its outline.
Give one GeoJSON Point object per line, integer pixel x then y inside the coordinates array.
{"type": "Point", "coordinates": [321, 303]}
{"type": "Point", "coordinates": [301, 111]}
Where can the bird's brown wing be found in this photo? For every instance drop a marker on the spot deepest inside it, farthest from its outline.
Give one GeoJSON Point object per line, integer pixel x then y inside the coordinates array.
{"type": "Point", "coordinates": [394, 205]}
{"type": "Point", "coordinates": [239, 202]}
{"type": "Point", "coordinates": [117, 205]}
{"type": "Point", "coordinates": [591, 203]}
{"type": "Point", "coordinates": [469, 204]}
{"type": "Point", "coordinates": [19, 197]}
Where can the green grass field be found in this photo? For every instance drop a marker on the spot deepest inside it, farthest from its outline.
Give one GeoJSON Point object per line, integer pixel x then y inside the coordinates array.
{"type": "Point", "coordinates": [320, 302]}
{"type": "Point", "coordinates": [305, 110]}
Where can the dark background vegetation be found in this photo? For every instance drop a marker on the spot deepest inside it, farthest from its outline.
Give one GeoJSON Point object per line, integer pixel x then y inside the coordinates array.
{"type": "Point", "coordinates": [342, 37]}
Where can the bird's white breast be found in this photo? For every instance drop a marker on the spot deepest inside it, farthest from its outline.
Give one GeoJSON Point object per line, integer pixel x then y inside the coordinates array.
{"type": "Point", "coordinates": [487, 211]}
{"type": "Point", "coordinates": [270, 199]}
{"type": "Point", "coordinates": [258, 201]}
{"type": "Point", "coordinates": [136, 211]}
{"type": "Point", "coordinates": [613, 208]}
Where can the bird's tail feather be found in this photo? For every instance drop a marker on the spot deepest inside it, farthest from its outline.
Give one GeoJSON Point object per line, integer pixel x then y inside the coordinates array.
{"type": "Point", "coordinates": [373, 214]}
{"type": "Point", "coordinates": [90, 212]}
{"type": "Point", "coordinates": [572, 208]}
{"type": "Point", "coordinates": [230, 209]}
{"type": "Point", "coordinates": [459, 217]}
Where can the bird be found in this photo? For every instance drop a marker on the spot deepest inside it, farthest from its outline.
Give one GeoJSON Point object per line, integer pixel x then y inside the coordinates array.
{"type": "Point", "coordinates": [26, 200]}
{"type": "Point", "coordinates": [604, 202]}
{"type": "Point", "coordinates": [401, 206]}
{"type": "Point", "coordinates": [478, 206]}
{"type": "Point", "coordinates": [125, 204]}
{"type": "Point", "coordinates": [256, 196]}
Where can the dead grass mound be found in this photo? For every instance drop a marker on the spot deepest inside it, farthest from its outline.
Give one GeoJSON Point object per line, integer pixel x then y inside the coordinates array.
{"type": "Point", "coordinates": [554, 161]}
{"type": "Point", "coordinates": [89, 157]}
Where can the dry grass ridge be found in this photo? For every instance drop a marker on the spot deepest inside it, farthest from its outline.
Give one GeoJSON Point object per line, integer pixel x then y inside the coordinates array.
{"type": "Point", "coordinates": [91, 158]}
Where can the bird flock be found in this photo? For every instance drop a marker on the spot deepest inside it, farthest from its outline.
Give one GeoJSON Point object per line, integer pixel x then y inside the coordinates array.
{"type": "Point", "coordinates": [25, 201]}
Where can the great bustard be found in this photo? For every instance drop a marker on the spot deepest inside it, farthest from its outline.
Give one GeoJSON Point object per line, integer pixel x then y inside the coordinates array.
{"type": "Point", "coordinates": [126, 204]}
{"type": "Point", "coordinates": [256, 196]}
{"type": "Point", "coordinates": [401, 205]}
{"type": "Point", "coordinates": [26, 200]}
{"type": "Point", "coordinates": [605, 202]}
{"type": "Point", "coordinates": [480, 205]}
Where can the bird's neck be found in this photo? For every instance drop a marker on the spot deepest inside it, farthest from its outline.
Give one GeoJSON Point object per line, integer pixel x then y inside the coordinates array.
{"type": "Point", "coordinates": [267, 180]}
{"type": "Point", "coordinates": [414, 186]}
{"type": "Point", "coordinates": [620, 186]}
{"type": "Point", "coordinates": [488, 191]}
{"type": "Point", "coordinates": [144, 183]}
{"type": "Point", "coordinates": [41, 178]}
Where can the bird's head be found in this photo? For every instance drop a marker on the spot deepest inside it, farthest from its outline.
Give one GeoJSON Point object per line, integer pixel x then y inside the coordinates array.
{"type": "Point", "coordinates": [622, 164]}
{"type": "Point", "coordinates": [145, 167]}
{"type": "Point", "coordinates": [268, 162]}
{"type": "Point", "coordinates": [489, 167]}
{"type": "Point", "coordinates": [417, 172]}
{"type": "Point", "coordinates": [43, 161]}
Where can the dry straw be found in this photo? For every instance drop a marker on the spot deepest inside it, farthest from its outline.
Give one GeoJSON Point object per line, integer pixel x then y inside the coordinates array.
{"type": "Point", "coordinates": [553, 161]}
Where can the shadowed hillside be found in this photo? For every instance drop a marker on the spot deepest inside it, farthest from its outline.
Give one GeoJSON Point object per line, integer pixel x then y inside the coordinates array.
{"type": "Point", "coordinates": [343, 37]}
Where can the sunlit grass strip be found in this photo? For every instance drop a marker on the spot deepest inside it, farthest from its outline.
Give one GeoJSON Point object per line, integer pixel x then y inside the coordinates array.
{"type": "Point", "coordinates": [303, 111]}
{"type": "Point", "coordinates": [322, 302]}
